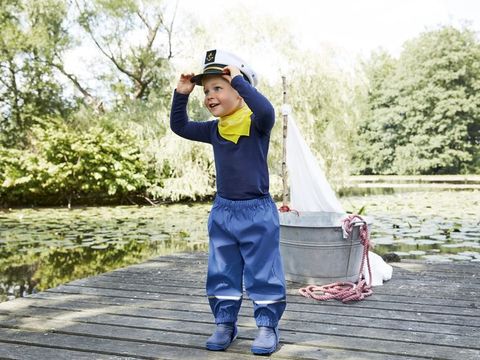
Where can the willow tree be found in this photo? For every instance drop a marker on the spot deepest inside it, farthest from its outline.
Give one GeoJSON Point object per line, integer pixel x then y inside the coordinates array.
{"type": "Point", "coordinates": [136, 38]}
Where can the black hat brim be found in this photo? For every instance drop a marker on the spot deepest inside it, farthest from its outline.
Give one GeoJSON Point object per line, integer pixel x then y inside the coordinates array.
{"type": "Point", "coordinates": [197, 79]}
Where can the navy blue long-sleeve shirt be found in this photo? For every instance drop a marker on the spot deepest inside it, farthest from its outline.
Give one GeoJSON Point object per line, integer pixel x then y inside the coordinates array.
{"type": "Point", "coordinates": [241, 169]}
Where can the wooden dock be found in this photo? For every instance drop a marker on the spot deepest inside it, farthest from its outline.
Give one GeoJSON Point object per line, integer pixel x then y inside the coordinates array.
{"type": "Point", "coordinates": [158, 310]}
{"type": "Point", "coordinates": [438, 182]}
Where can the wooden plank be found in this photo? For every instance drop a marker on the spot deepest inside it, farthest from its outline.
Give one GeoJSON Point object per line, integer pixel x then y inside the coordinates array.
{"type": "Point", "coordinates": [17, 351]}
{"type": "Point", "coordinates": [471, 281]}
{"type": "Point", "coordinates": [35, 352]}
{"type": "Point", "coordinates": [241, 348]}
{"type": "Point", "coordinates": [147, 291]}
{"type": "Point", "coordinates": [403, 271]}
{"type": "Point", "coordinates": [417, 186]}
{"type": "Point", "coordinates": [308, 336]}
{"type": "Point", "coordinates": [467, 274]}
{"type": "Point", "coordinates": [419, 266]}
{"type": "Point", "coordinates": [82, 303]}
{"type": "Point", "coordinates": [111, 346]}
{"type": "Point", "coordinates": [159, 309]}
{"type": "Point", "coordinates": [444, 178]}
{"type": "Point", "coordinates": [381, 294]}
{"type": "Point", "coordinates": [444, 277]}
{"type": "Point", "coordinates": [401, 294]}
{"type": "Point", "coordinates": [141, 317]}
{"type": "Point", "coordinates": [160, 269]}
{"type": "Point", "coordinates": [331, 308]}
{"type": "Point", "coordinates": [199, 263]}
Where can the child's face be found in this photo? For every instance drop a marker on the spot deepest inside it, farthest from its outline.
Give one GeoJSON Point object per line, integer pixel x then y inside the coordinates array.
{"type": "Point", "coordinates": [221, 98]}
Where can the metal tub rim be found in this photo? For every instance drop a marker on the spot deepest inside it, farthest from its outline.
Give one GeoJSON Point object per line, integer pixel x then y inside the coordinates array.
{"type": "Point", "coordinates": [328, 220]}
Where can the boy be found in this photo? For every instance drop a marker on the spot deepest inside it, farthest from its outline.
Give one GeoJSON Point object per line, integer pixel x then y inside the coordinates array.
{"type": "Point", "coordinates": [243, 225]}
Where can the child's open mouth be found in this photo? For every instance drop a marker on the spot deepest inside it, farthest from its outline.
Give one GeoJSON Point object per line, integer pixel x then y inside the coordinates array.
{"type": "Point", "coordinates": [213, 105]}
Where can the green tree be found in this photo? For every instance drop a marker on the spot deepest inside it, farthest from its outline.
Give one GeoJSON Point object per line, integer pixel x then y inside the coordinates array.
{"type": "Point", "coordinates": [377, 132]}
{"type": "Point", "coordinates": [32, 33]}
{"type": "Point", "coordinates": [425, 116]}
{"type": "Point", "coordinates": [136, 38]}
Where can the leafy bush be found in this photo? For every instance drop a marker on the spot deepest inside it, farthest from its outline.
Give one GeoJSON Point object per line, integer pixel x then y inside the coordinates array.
{"type": "Point", "coordinates": [62, 165]}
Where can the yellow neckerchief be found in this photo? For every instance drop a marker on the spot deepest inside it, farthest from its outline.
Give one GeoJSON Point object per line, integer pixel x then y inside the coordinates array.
{"type": "Point", "coordinates": [232, 126]}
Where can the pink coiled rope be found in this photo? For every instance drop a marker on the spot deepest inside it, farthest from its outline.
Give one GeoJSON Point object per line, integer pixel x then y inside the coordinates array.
{"type": "Point", "coordinates": [346, 291]}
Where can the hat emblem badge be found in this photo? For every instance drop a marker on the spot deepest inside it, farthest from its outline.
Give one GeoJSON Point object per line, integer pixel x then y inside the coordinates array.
{"type": "Point", "coordinates": [210, 56]}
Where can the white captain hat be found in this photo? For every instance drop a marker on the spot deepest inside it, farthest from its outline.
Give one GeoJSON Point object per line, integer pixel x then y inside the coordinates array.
{"type": "Point", "coordinates": [216, 60]}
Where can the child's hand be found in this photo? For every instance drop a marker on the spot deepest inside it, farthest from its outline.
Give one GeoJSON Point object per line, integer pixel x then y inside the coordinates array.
{"type": "Point", "coordinates": [230, 72]}
{"type": "Point", "coordinates": [185, 86]}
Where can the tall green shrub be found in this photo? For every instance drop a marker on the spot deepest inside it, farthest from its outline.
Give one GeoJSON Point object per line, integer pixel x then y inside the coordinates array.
{"type": "Point", "coordinates": [63, 166]}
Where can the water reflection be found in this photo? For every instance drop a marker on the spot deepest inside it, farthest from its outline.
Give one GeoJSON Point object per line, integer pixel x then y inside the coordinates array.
{"type": "Point", "coordinates": [42, 248]}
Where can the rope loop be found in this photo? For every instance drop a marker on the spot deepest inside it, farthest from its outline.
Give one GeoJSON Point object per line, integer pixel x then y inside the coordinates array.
{"type": "Point", "coordinates": [346, 291]}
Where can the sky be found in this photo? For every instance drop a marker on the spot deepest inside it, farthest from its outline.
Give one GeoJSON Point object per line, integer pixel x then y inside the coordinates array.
{"type": "Point", "coordinates": [352, 27]}
{"type": "Point", "coordinates": [358, 26]}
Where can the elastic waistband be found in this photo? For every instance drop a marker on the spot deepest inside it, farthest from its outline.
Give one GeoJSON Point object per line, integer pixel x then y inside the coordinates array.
{"type": "Point", "coordinates": [267, 199]}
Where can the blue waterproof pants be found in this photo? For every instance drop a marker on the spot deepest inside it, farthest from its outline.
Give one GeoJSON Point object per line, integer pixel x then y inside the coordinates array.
{"type": "Point", "coordinates": [244, 250]}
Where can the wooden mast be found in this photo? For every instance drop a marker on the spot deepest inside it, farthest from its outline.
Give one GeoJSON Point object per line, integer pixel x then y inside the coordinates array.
{"type": "Point", "coordinates": [285, 197]}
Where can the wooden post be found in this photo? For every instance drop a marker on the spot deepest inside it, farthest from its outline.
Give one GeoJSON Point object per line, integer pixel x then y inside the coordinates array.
{"type": "Point", "coordinates": [284, 154]}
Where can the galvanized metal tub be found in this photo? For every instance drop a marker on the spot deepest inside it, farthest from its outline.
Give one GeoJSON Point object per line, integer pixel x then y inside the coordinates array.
{"type": "Point", "coordinates": [314, 250]}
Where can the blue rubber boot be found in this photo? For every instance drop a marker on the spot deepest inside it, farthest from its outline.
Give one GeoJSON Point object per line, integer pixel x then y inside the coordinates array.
{"type": "Point", "coordinates": [222, 337]}
{"type": "Point", "coordinates": [266, 341]}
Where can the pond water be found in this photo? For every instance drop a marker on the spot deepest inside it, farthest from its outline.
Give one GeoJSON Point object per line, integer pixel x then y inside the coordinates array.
{"type": "Point", "coordinates": [43, 248]}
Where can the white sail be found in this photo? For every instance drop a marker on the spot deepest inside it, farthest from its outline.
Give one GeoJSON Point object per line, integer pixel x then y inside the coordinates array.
{"type": "Point", "coordinates": [309, 188]}
{"type": "Point", "coordinates": [310, 191]}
